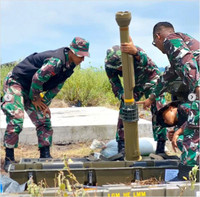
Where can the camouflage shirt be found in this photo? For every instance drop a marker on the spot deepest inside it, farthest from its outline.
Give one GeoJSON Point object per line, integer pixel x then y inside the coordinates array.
{"type": "Point", "coordinates": [51, 67]}
{"type": "Point", "coordinates": [146, 73]}
{"type": "Point", "coordinates": [183, 54]}
{"type": "Point", "coordinates": [182, 114]}
{"type": "Point", "coordinates": [191, 142]}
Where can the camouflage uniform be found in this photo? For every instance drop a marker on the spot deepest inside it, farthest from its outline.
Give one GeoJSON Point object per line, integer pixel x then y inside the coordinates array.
{"type": "Point", "coordinates": [146, 75]}
{"type": "Point", "coordinates": [191, 142]}
{"type": "Point", "coordinates": [188, 120]}
{"type": "Point", "coordinates": [17, 99]}
{"type": "Point", "coordinates": [39, 72]}
{"type": "Point", "coordinates": [183, 53]}
{"type": "Point", "coordinates": [182, 116]}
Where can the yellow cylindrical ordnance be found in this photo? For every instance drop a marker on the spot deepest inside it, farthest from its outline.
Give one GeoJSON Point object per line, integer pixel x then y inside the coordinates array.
{"type": "Point", "coordinates": [123, 19]}
{"type": "Point", "coordinates": [132, 152]}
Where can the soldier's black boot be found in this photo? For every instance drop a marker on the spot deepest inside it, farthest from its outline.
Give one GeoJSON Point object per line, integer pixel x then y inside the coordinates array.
{"type": "Point", "coordinates": [160, 146]}
{"type": "Point", "coordinates": [45, 152]}
{"type": "Point", "coordinates": [160, 152]}
{"type": "Point", "coordinates": [9, 158]}
{"type": "Point", "coordinates": [183, 172]}
{"type": "Point", "coordinates": [121, 148]}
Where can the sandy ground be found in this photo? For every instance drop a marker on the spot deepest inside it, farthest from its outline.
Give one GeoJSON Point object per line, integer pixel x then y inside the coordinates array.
{"type": "Point", "coordinates": [57, 151]}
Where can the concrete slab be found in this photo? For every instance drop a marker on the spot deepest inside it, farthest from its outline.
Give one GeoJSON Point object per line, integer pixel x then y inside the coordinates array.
{"type": "Point", "coordinates": [77, 124]}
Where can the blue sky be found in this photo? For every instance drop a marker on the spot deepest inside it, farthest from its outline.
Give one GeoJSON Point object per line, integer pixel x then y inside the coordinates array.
{"type": "Point", "coordinates": [29, 26]}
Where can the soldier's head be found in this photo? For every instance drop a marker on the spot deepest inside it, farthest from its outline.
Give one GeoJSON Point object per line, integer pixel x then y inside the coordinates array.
{"type": "Point", "coordinates": [167, 116]}
{"type": "Point", "coordinates": [79, 48]}
{"type": "Point", "coordinates": [113, 58]}
{"type": "Point", "coordinates": [160, 31]}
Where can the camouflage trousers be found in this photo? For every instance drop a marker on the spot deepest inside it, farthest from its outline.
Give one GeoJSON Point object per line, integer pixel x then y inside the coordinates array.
{"type": "Point", "coordinates": [191, 150]}
{"type": "Point", "coordinates": [15, 101]}
{"type": "Point", "coordinates": [159, 133]}
{"type": "Point", "coordinates": [191, 141]}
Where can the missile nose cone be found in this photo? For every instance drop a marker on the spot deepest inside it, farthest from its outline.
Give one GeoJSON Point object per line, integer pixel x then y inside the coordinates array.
{"type": "Point", "coordinates": [123, 18]}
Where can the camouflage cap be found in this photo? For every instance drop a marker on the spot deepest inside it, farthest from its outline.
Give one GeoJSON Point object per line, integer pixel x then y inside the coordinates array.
{"type": "Point", "coordinates": [113, 57]}
{"type": "Point", "coordinates": [159, 115]}
{"type": "Point", "coordinates": [80, 47]}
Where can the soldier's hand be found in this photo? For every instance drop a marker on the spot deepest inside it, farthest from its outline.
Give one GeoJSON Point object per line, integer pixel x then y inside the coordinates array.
{"type": "Point", "coordinates": [39, 104]}
{"type": "Point", "coordinates": [146, 103]}
{"type": "Point", "coordinates": [170, 134]}
{"type": "Point", "coordinates": [47, 111]}
{"type": "Point", "coordinates": [129, 47]}
{"type": "Point", "coordinates": [174, 141]}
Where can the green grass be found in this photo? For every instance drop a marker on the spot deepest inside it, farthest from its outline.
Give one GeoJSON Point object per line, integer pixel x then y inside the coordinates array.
{"type": "Point", "coordinates": [89, 86]}
{"type": "Point", "coordinates": [4, 70]}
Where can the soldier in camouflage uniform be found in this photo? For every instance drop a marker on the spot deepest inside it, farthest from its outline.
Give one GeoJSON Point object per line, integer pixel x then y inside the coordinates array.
{"type": "Point", "coordinates": [40, 72]}
{"type": "Point", "coordinates": [183, 53]}
{"type": "Point", "coordinates": [146, 75]}
{"type": "Point", "coordinates": [185, 118]}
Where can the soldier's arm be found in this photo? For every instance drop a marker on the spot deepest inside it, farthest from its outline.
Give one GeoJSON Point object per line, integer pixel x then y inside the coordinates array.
{"type": "Point", "coordinates": [163, 82]}
{"type": "Point", "coordinates": [160, 87]}
{"type": "Point", "coordinates": [137, 52]}
{"type": "Point", "coordinates": [49, 69]}
{"type": "Point", "coordinates": [183, 113]}
{"type": "Point", "coordinates": [142, 57]}
{"type": "Point", "coordinates": [183, 60]}
{"type": "Point", "coordinates": [50, 94]}
{"type": "Point", "coordinates": [148, 67]}
{"type": "Point", "coordinates": [115, 83]}
{"type": "Point", "coordinates": [175, 138]}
